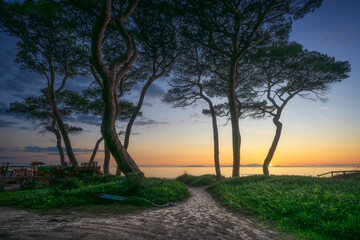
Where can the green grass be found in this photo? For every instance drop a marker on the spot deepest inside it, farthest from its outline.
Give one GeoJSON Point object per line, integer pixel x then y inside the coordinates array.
{"type": "Point", "coordinates": [202, 180]}
{"type": "Point", "coordinates": [312, 208]}
{"type": "Point", "coordinates": [156, 190]}
{"type": "Point", "coordinates": [349, 176]}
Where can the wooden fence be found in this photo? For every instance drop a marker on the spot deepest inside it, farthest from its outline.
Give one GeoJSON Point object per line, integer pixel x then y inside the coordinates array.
{"type": "Point", "coordinates": [339, 172]}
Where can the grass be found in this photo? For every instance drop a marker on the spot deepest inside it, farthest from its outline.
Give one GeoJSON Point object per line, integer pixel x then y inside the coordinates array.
{"type": "Point", "coordinates": [312, 208]}
{"type": "Point", "coordinates": [75, 194]}
{"type": "Point", "coordinates": [349, 176]}
{"type": "Point", "coordinates": [202, 180]}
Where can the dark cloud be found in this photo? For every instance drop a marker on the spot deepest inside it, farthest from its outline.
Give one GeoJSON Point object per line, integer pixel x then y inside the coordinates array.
{"type": "Point", "coordinates": [3, 108]}
{"type": "Point", "coordinates": [24, 128]}
{"type": "Point", "coordinates": [8, 157]}
{"type": "Point", "coordinates": [147, 104]}
{"type": "Point", "coordinates": [55, 150]}
{"type": "Point", "coordinates": [3, 149]}
{"type": "Point", "coordinates": [90, 120]}
{"type": "Point", "coordinates": [155, 91]}
{"type": "Point", "coordinates": [4, 124]}
{"type": "Point", "coordinates": [22, 83]}
{"type": "Point", "coordinates": [148, 122]}
{"type": "Point", "coordinates": [12, 78]}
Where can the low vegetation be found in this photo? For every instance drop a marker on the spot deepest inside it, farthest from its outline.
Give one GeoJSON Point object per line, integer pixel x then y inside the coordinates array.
{"type": "Point", "coordinates": [313, 208]}
{"type": "Point", "coordinates": [202, 180]}
{"type": "Point", "coordinates": [74, 192]}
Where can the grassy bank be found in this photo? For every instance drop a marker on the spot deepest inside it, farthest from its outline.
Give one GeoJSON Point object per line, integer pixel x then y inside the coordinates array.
{"type": "Point", "coordinates": [74, 193]}
{"type": "Point", "coordinates": [312, 208]}
{"type": "Point", "coordinates": [202, 180]}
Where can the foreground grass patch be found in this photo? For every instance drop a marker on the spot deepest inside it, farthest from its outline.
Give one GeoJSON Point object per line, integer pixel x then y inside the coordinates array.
{"type": "Point", "coordinates": [202, 180]}
{"type": "Point", "coordinates": [155, 190]}
{"type": "Point", "coordinates": [311, 207]}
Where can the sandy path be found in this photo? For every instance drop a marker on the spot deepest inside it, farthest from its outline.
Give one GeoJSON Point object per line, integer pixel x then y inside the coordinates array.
{"type": "Point", "coordinates": [200, 217]}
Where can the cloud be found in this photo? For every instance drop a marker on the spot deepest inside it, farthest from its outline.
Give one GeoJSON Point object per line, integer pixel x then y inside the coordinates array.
{"type": "Point", "coordinates": [90, 120]}
{"type": "Point", "coordinates": [3, 149]}
{"type": "Point", "coordinates": [14, 80]}
{"type": "Point", "coordinates": [4, 124]}
{"type": "Point", "coordinates": [55, 150]}
{"type": "Point", "coordinates": [325, 108]}
{"type": "Point", "coordinates": [3, 108]}
{"type": "Point", "coordinates": [154, 91]}
{"type": "Point", "coordinates": [300, 126]}
{"type": "Point", "coordinates": [85, 119]}
{"type": "Point", "coordinates": [148, 122]}
{"type": "Point", "coordinates": [8, 157]}
{"type": "Point", "coordinates": [24, 128]}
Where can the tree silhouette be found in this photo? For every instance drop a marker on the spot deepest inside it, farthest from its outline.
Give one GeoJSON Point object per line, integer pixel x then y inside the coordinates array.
{"type": "Point", "coordinates": [46, 46]}
{"type": "Point", "coordinates": [228, 29]}
{"type": "Point", "coordinates": [94, 106]}
{"type": "Point", "coordinates": [38, 110]}
{"type": "Point", "coordinates": [189, 86]}
{"type": "Point", "coordinates": [113, 53]}
{"type": "Point", "coordinates": [155, 31]}
{"type": "Point", "coordinates": [287, 70]}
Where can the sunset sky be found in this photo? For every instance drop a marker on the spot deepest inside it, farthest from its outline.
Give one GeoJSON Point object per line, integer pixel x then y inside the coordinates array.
{"type": "Point", "coordinates": [314, 133]}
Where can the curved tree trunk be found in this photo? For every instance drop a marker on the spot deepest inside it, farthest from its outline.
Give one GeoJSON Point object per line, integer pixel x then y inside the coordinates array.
{"type": "Point", "coordinates": [63, 131]}
{"type": "Point", "coordinates": [92, 158]}
{"type": "Point", "coordinates": [118, 172]}
{"type": "Point", "coordinates": [137, 110]}
{"type": "Point", "coordinates": [121, 156]}
{"type": "Point", "coordinates": [58, 144]}
{"type": "Point", "coordinates": [215, 136]}
{"type": "Point", "coordinates": [106, 159]}
{"type": "Point", "coordinates": [234, 116]}
{"type": "Point", "coordinates": [273, 147]}
{"type": "Point", "coordinates": [110, 80]}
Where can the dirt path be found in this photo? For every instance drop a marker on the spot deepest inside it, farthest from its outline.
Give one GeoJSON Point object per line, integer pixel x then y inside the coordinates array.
{"type": "Point", "coordinates": [200, 217]}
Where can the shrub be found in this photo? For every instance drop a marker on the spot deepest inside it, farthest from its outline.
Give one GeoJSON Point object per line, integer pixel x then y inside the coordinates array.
{"type": "Point", "coordinates": [69, 184]}
{"type": "Point", "coordinates": [98, 179]}
{"type": "Point", "coordinates": [156, 190]}
{"type": "Point", "coordinates": [202, 180]}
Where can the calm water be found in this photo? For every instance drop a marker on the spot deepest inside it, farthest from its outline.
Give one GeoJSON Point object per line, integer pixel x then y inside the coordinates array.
{"type": "Point", "coordinates": [173, 172]}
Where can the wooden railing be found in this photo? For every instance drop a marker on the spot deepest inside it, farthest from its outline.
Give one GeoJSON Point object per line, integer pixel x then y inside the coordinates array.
{"type": "Point", "coordinates": [343, 172]}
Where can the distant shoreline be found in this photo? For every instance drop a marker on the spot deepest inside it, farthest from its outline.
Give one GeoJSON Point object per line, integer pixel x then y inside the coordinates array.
{"type": "Point", "coordinates": [205, 166]}
{"type": "Point", "coordinates": [258, 165]}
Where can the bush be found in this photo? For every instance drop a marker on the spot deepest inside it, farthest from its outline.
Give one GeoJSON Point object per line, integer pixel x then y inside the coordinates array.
{"type": "Point", "coordinates": [305, 205]}
{"type": "Point", "coordinates": [202, 180]}
{"type": "Point", "coordinates": [156, 190]}
{"type": "Point", "coordinates": [69, 184]}
{"type": "Point", "coordinates": [98, 179]}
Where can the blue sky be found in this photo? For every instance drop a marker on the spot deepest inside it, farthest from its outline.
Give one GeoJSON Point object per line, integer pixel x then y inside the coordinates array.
{"type": "Point", "coordinates": [313, 133]}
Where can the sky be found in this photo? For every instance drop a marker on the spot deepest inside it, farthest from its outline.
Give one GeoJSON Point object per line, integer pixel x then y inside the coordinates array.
{"type": "Point", "coordinates": [314, 133]}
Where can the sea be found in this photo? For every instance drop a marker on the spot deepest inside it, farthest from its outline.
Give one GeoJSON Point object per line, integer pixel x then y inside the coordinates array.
{"type": "Point", "coordinates": [173, 172]}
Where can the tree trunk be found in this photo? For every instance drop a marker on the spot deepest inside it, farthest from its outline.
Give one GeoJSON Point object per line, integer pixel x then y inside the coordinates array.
{"type": "Point", "coordinates": [118, 172]}
{"type": "Point", "coordinates": [215, 136]}
{"type": "Point", "coordinates": [137, 110]}
{"type": "Point", "coordinates": [92, 158]}
{"type": "Point", "coordinates": [273, 147]}
{"type": "Point", "coordinates": [63, 131]}
{"type": "Point", "coordinates": [121, 156]}
{"type": "Point", "coordinates": [234, 116]}
{"type": "Point", "coordinates": [58, 144]}
{"type": "Point", "coordinates": [106, 159]}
